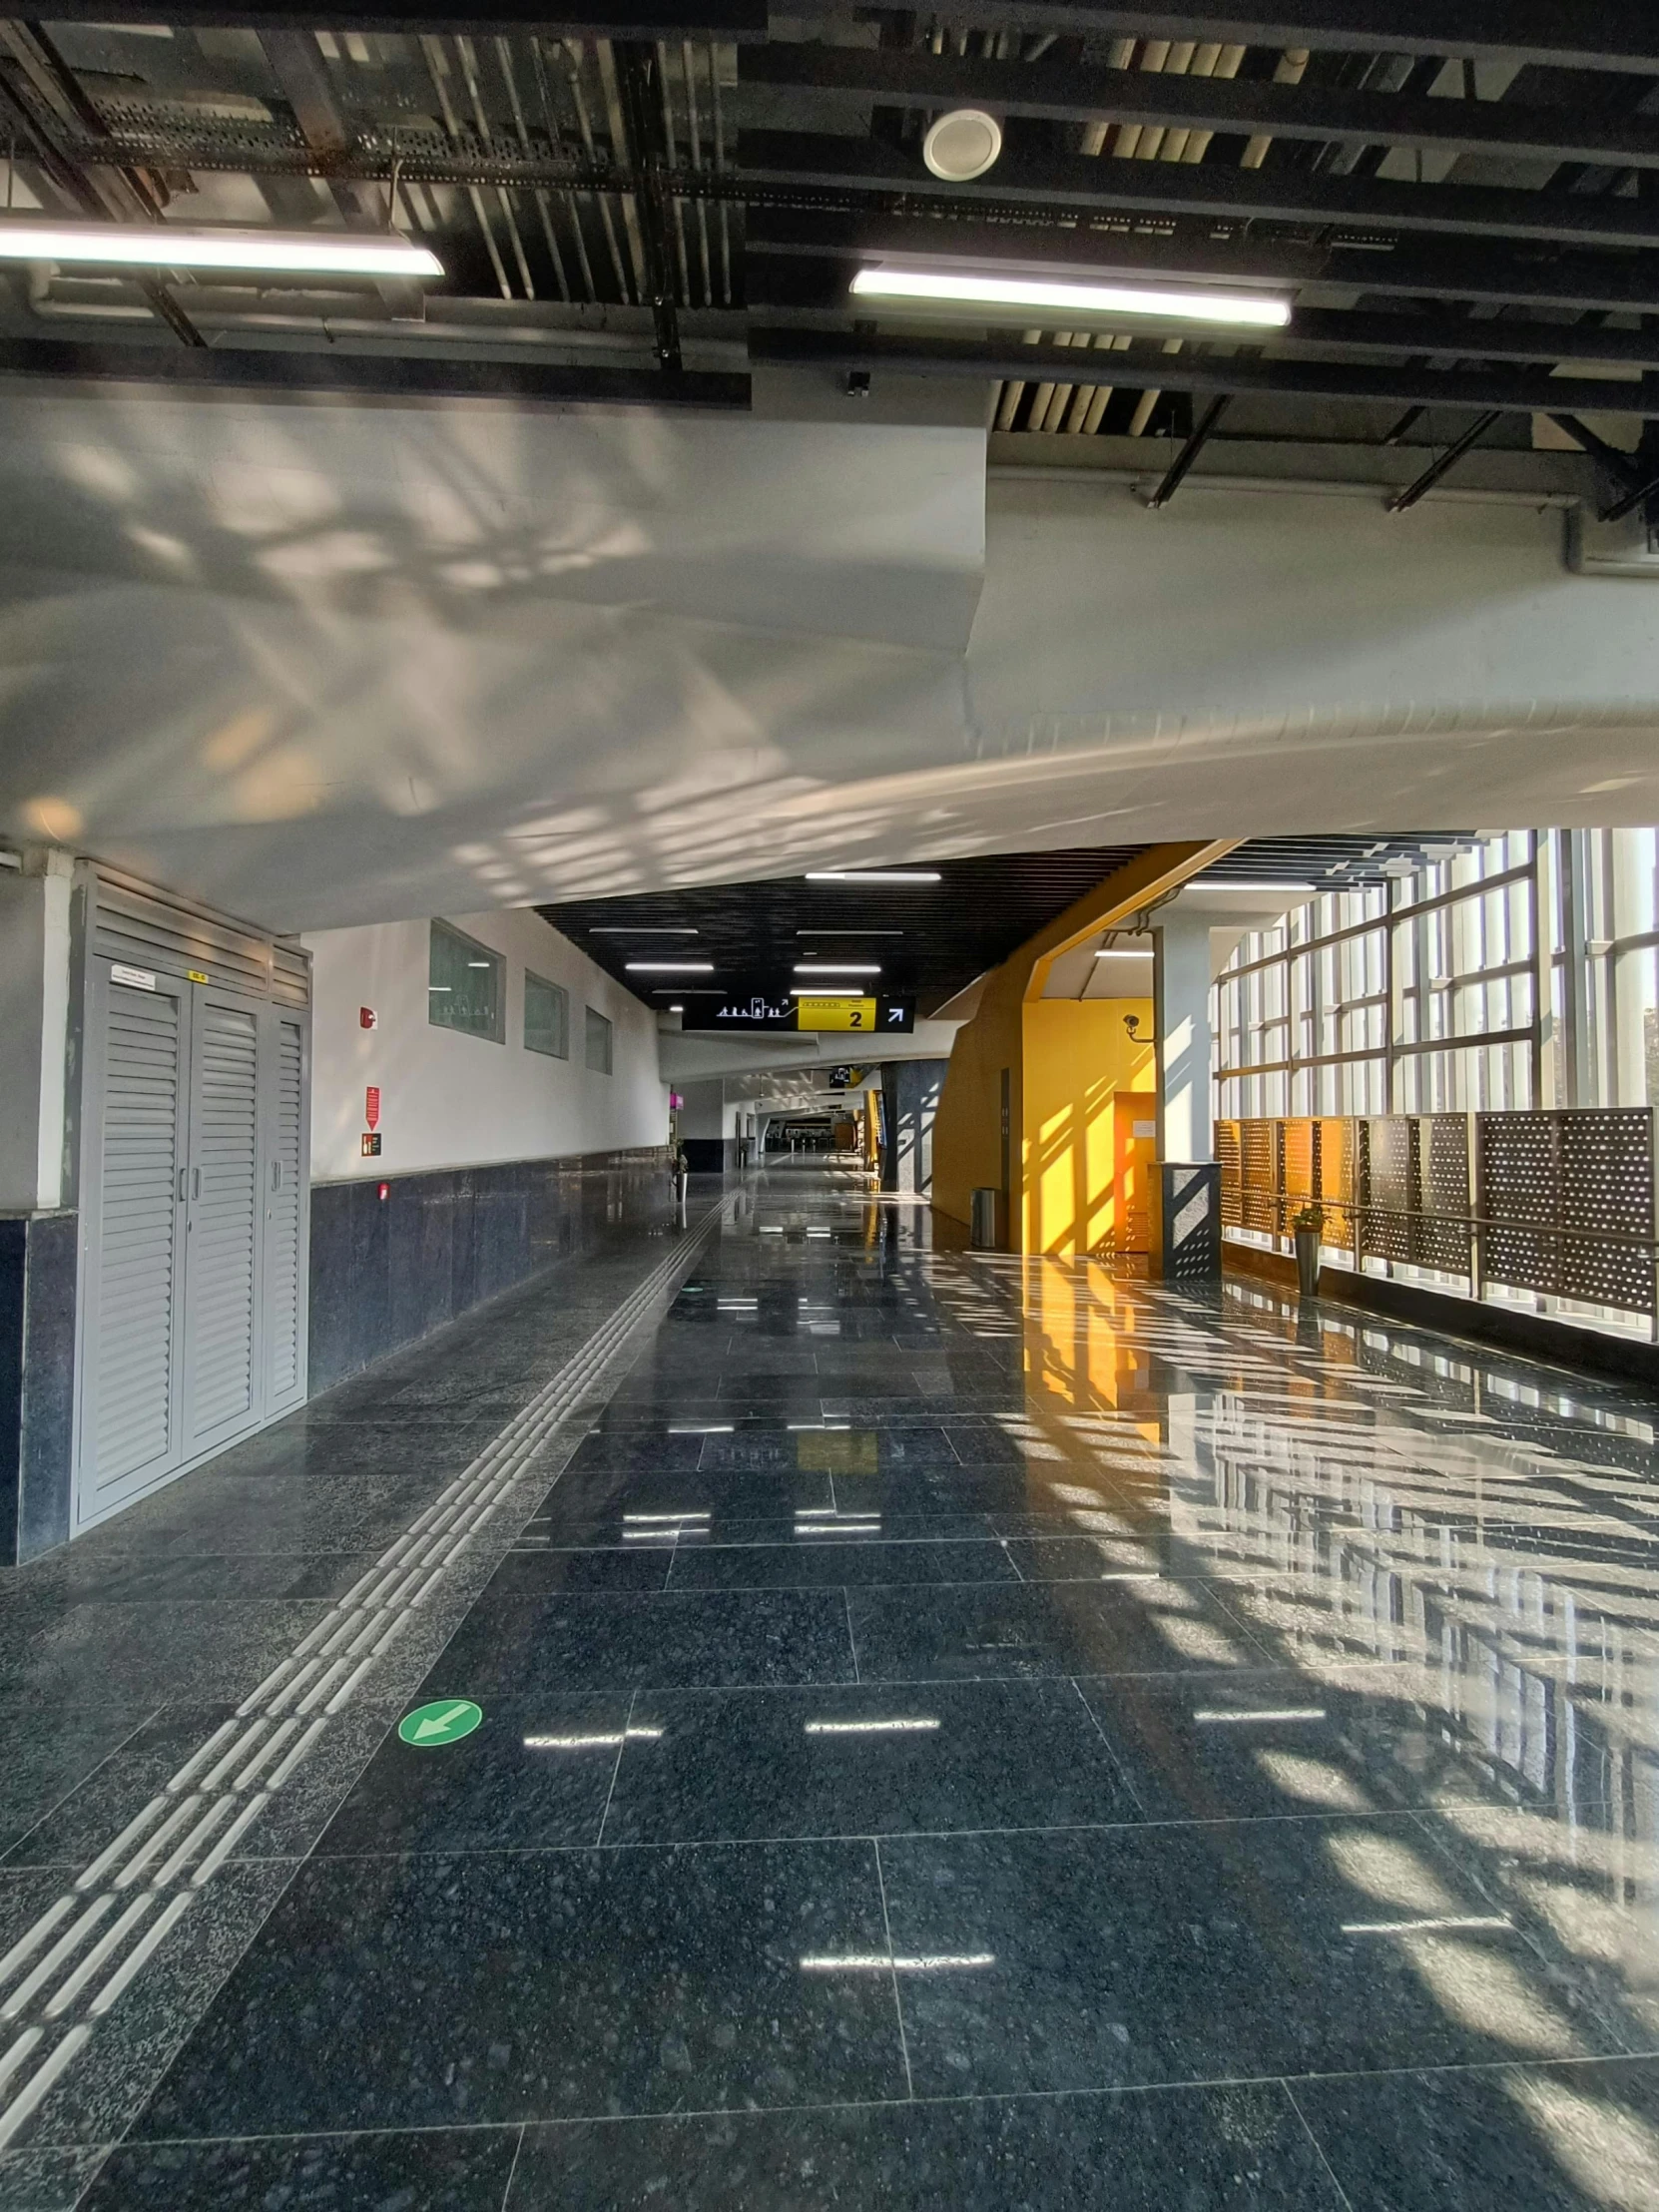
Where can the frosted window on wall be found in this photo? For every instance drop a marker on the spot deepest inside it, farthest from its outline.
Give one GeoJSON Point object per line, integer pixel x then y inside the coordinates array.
{"type": "Point", "coordinates": [466, 985]}
{"type": "Point", "coordinates": [546, 1017]}
{"type": "Point", "coordinates": [599, 1044]}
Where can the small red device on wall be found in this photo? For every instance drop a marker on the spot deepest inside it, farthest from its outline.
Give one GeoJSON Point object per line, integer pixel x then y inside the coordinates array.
{"type": "Point", "coordinates": [367, 1018]}
{"type": "Point", "coordinates": [372, 1105]}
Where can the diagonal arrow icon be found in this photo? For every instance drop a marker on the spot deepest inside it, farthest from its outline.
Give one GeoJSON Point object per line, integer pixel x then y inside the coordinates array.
{"type": "Point", "coordinates": [429, 1726]}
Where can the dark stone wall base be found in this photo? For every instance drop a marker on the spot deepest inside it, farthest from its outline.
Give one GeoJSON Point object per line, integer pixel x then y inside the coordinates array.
{"type": "Point", "coordinates": [387, 1271]}
{"type": "Point", "coordinates": [711, 1155]}
{"type": "Point", "coordinates": [39, 1269]}
{"type": "Point", "coordinates": [1542, 1336]}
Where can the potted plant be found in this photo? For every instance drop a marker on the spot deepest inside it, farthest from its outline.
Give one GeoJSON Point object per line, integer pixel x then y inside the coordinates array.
{"type": "Point", "coordinates": [1305, 1229]}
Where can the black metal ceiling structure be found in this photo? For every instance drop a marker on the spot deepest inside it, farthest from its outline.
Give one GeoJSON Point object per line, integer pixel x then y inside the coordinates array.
{"type": "Point", "coordinates": [928, 939]}
{"type": "Point", "coordinates": [647, 197]}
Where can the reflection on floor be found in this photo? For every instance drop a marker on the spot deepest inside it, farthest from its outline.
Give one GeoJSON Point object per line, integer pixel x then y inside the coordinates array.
{"type": "Point", "coordinates": [959, 1731]}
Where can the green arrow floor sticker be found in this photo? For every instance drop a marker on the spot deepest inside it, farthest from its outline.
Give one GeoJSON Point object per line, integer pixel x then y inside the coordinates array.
{"type": "Point", "coordinates": [430, 1727]}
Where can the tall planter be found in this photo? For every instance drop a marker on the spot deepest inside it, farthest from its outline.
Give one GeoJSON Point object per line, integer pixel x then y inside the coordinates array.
{"type": "Point", "coordinates": [1307, 1261]}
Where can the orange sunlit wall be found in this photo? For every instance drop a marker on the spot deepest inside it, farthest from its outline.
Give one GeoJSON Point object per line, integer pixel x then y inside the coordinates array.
{"type": "Point", "coordinates": [1085, 1182]}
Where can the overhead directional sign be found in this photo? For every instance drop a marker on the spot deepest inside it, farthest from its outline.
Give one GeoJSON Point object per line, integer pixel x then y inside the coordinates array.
{"type": "Point", "coordinates": [430, 1727]}
{"type": "Point", "coordinates": [831, 1011]}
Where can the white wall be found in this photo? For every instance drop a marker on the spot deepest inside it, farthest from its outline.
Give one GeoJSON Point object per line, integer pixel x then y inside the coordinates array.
{"type": "Point", "coordinates": [450, 1100]}
{"type": "Point", "coordinates": [34, 1011]}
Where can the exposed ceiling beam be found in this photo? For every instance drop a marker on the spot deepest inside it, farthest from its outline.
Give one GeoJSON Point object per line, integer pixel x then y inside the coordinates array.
{"type": "Point", "coordinates": [1405, 385]}
{"type": "Point", "coordinates": [395, 377]}
{"type": "Point", "coordinates": [1068, 91]}
{"type": "Point", "coordinates": [1075, 182]}
{"type": "Point", "coordinates": [1489, 273]}
{"type": "Point", "coordinates": [1566, 34]}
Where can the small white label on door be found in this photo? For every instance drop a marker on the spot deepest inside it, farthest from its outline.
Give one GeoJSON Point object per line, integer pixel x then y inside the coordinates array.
{"type": "Point", "coordinates": [136, 978]}
{"type": "Point", "coordinates": [1144, 1129]}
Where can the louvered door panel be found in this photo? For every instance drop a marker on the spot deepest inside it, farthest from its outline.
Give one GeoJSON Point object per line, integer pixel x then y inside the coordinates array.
{"type": "Point", "coordinates": [130, 1404]}
{"type": "Point", "coordinates": [284, 1220]}
{"type": "Point", "coordinates": [222, 1272]}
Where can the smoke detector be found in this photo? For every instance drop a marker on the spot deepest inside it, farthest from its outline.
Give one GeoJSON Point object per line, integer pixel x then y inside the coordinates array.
{"type": "Point", "coordinates": [963, 144]}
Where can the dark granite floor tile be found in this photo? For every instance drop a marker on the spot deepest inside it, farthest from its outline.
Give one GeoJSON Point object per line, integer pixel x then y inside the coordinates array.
{"type": "Point", "coordinates": [1222, 2151]}
{"type": "Point", "coordinates": [210, 1649]}
{"type": "Point", "coordinates": [434, 2170]}
{"type": "Point", "coordinates": [46, 2180]}
{"type": "Point", "coordinates": [148, 1578]}
{"type": "Point", "coordinates": [841, 1450]}
{"type": "Point", "coordinates": [1573, 2138]}
{"type": "Point", "coordinates": [54, 1748]}
{"type": "Point", "coordinates": [812, 1561]}
{"type": "Point", "coordinates": [535, 1774]}
{"type": "Point", "coordinates": [1052, 1628]}
{"type": "Point", "coordinates": [1224, 1952]}
{"type": "Point", "coordinates": [692, 1639]}
{"type": "Point", "coordinates": [638, 1499]}
{"type": "Point", "coordinates": [1257, 1746]}
{"type": "Point", "coordinates": [862, 1762]}
{"type": "Point", "coordinates": [526, 1572]}
{"type": "Point", "coordinates": [627, 1451]}
{"type": "Point", "coordinates": [411, 1991]}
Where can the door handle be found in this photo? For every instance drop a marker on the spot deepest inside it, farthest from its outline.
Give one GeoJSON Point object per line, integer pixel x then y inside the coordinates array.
{"type": "Point", "coordinates": [276, 1174]}
{"type": "Point", "coordinates": [196, 1182]}
{"type": "Point", "coordinates": [181, 1186]}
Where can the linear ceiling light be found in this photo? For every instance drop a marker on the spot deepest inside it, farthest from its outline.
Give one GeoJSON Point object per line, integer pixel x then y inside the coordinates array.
{"type": "Point", "coordinates": [819, 990]}
{"type": "Point", "coordinates": [1255, 310]}
{"type": "Point", "coordinates": [671, 968]}
{"type": "Point", "coordinates": [631, 930]}
{"type": "Point", "coordinates": [172, 246]}
{"type": "Point", "coordinates": [872, 876]}
{"type": "Point", "coordinates": [836, 968]}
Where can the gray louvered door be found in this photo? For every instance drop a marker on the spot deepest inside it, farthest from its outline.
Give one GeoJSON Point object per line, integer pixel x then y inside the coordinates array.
{"type": "Point", "coordinates": [131, 1409]}
{"type": "Point", "coordinates": [285, 1217]}
{"type": "Point", "coordinates": [224, 1214]}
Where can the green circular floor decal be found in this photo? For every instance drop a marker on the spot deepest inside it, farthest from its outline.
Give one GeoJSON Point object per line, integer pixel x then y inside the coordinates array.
{"type": "Point", "coordinates": [430, 1726]}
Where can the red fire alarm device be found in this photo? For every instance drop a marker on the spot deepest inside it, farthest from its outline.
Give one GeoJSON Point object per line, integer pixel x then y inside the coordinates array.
{"type": "Point", "coordinates": [385, 1191]}
{"type": "Point", "coordinates": [367, 1018]}
{"type": "Point", "coordinates": [372, 1146]}
{"type": "Point", "coordinates": [372, 1105]}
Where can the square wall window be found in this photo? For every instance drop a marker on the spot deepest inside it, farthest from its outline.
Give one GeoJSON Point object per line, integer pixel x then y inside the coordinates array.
{"type": "Point", "coordinates": [466, 985]}
{"type": "Point", "coordinates": [546, 1017]}
{"type": "Point", "coordinates": [599, 1044]}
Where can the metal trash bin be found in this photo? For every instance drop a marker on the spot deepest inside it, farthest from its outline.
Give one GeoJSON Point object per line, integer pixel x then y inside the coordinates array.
{"type": "Point", "coordinates": [985, 1232]}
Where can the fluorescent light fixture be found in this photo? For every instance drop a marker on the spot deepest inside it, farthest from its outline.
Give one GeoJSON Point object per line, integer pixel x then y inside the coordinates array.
{"type": "Point", "coordinates": [837, 968]}
{"type": "Point", "coordinates": [676, 1009]}
{"type": "Point", "coordinates": [818, 990]}
{"type": "Point", "coordinates": [671, 968]}
{"type": "Point", "coordinates": [174, 245]}
{"type": "Point", "coordinates": [1060, 297]}
{"type": "Point", "coordinates": [1116, 952]}
{"type": "Point", "coordinates": [852, 931]}
{"type": "Point", "coordinates": [637, 929]}
{"type": "Point", "coordinates": [872, 876]}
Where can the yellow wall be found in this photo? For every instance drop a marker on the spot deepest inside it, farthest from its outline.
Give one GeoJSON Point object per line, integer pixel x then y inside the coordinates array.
{"type": "Point", "coordinates": [1077, 1057]}
{"type": "Point", "coordinates": [967, 1126]}
{"type": "Point", "coordinates": [1077, 1069]}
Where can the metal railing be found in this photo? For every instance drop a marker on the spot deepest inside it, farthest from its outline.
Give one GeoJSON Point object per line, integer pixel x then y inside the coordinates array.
{"type": "Point", "coordinates": [1556, 1203]}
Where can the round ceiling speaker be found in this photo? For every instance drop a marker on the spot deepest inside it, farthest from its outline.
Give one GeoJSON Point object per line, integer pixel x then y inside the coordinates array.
{"type": "Point", "coordinates": [963, 144]}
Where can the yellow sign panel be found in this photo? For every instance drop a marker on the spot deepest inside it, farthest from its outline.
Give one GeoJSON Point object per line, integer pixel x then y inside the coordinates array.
{"type": "Point", "coordinates": [836, 1013]}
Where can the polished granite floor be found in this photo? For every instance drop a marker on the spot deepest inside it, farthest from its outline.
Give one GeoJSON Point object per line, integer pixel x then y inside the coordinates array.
{"type": "Point", "coordinates": [957, 1732]}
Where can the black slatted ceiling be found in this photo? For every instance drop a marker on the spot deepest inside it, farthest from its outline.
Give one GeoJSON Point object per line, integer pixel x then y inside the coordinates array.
{"type": "Point", "coordinates": [948, 932]}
